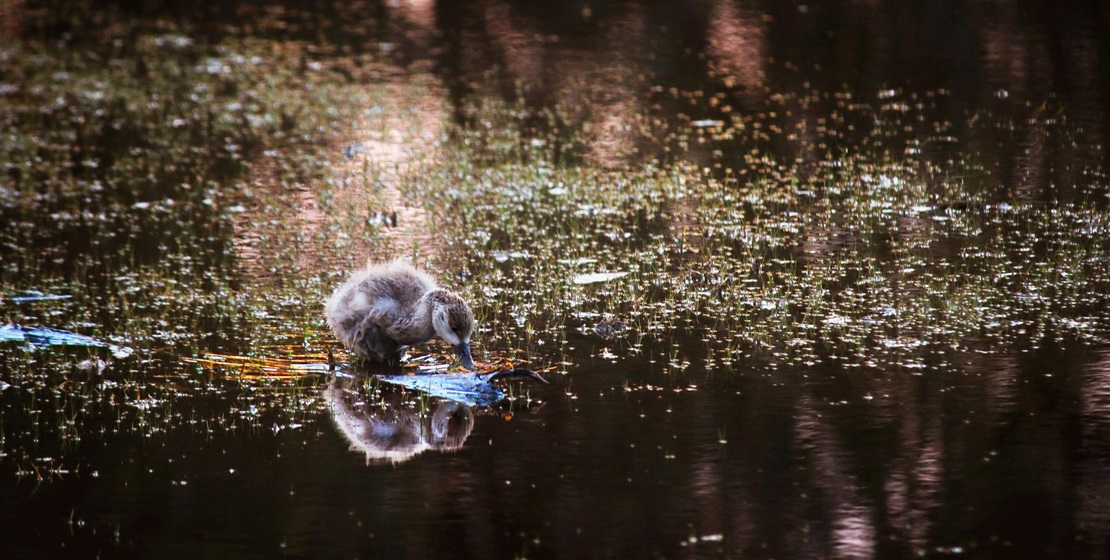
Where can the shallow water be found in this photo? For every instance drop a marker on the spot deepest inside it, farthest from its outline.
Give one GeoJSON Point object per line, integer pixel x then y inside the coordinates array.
{"type": "Point", "coordinates": [808, 281]}
{"type": "Point", "coordinates": [1004, 460]}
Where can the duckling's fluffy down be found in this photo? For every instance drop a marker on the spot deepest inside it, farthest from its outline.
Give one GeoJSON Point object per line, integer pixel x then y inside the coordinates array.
{"type": "Point", "coordinates": [380, 294]}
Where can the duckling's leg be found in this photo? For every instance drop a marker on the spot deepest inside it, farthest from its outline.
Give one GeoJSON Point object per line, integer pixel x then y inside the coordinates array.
{"type": "Point", "coordinates": [378, 344]}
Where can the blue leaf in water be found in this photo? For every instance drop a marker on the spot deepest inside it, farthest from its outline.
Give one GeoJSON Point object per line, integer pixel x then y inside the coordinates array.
{"type": "Point", "coordinates": [474, 389]}
{"type": "Point", "coordinates": [11, 333]}
{"type": "Point", "coordinates": [35, 295]}
{"type": "Point", "coordinates": [43, 336]}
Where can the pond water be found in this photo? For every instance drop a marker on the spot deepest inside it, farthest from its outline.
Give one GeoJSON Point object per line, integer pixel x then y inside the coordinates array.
{"type": "Point", "coordinates": [823, 280]}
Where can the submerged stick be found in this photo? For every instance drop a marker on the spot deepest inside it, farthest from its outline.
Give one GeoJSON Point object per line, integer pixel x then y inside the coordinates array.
{"type": "Point", "coordinates": [518, 372]}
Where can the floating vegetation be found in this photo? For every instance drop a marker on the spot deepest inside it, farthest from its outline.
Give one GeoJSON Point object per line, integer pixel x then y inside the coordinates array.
{"type": "Point", "coordinates": [44, 337]}
{"type": "Point", "coordinates": [597, 277]}
{"type": "Point", "coordinates": [473, 389]}
{"type": "Point", "coordinates": [277, 362]}
{"type": "Point", "coordinates": [875, 247]}
{"type": "Point", "coordinates": [133, 155]}
{"type": "Point", "coordinates": [203, 195]}
{"type": "Point", "coordinates": [35, 295]}
{"type": "Point", "coordinates": [723, 262]}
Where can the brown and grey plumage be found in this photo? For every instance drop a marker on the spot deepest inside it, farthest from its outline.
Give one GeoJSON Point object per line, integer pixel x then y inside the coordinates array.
{"type": "Point", "coordinates": [384, 308]}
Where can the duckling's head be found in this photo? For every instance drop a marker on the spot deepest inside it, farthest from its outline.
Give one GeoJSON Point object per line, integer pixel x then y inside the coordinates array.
{"type": "Point", "coordinates": [453, 322]}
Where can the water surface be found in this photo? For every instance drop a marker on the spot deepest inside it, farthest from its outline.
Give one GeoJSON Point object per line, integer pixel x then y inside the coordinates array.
{"type": "Point", "coordinates": [808, 280]}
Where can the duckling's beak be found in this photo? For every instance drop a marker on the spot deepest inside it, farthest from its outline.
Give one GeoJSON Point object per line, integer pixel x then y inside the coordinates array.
{"type": "Point", "coordinates": [463, 350]}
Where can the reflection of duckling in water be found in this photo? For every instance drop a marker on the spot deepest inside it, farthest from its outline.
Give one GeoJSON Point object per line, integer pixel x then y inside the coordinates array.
{"type": "Point", "coordinates": [384, 308]}
{"type": "Point", "coordinates": [392, 433]}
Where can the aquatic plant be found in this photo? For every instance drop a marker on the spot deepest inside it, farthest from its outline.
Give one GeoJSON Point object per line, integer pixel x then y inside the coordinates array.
{"type": "Point", "coordinates": [195, 195]}
{"type": "Point", "coordinates": [869, 251]}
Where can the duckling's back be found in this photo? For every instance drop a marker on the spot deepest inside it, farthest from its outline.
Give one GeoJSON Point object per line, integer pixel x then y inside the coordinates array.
{"type": "Point", "coordinates": [384, 291]}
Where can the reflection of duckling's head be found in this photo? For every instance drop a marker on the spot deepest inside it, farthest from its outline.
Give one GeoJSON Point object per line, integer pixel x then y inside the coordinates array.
{"type": "Point", "coordinates": [452, 423]}
{"type": "Point", "coordinates": [394, 433]}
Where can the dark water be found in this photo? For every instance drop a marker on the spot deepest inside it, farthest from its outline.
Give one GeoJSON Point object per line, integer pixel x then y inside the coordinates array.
{"type": "Point", "coordinates": [1005, 458]}
{"type": "Point", "coordinates": [993, 450]}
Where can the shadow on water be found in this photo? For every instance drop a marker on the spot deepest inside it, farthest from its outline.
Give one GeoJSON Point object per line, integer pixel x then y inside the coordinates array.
{"type": "Point", "coordinates": [809, 280]}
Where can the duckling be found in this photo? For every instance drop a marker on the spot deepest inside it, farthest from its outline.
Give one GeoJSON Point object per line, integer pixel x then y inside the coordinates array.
{"type": "Point", "coordinates": [384, 308]}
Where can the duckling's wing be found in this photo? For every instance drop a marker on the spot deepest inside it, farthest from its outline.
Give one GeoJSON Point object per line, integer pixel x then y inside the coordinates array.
{"type": "Point", "coordinates": [367, 293]}
{"type": "Point", "coordinates": [398, 288]}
